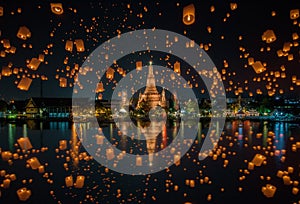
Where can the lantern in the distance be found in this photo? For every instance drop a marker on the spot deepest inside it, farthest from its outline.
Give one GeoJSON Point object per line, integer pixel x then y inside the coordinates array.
{"type": "Point", "coordinates": [79, 45]}
{"type": "Point", "coordinates": [294, 14]}
{"type": "Point", "coordinates": [63, 82]}
{"type": "Point", "coordinates": [23, 194]}
{"type": "Point", "coordinates": [110, 73]}
{"type": "Point", "coordinates": [69, 45]}
{"type": "Point", "coordinates": [177, 67]}
{"type": "Point", "coordinates": [188, 16]}
{"type": "Point", "coordinates": [269, 36]}
{"type": "Point", "coordinates": [57, 8]}
{"type": "Point", "coordinates": [258, 67]}
{"type": "Point", "coordinates": [139, 65]}
{"type": "Point", "coordinates": [1, 11]}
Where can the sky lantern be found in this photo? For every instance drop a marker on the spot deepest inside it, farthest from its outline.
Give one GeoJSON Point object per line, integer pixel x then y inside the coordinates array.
{"type": "Point", "coordinates": [269, 36]}
{"type": "Point", "coordinates": [63, 82]}
{"type": "Point", "coordinates": [177, 67]}
{"type": "Point", "coordinates": [24, 84]}
{"type": "Point", "coordinates": [233, 6]}
{"type": "Point", "coordinates": [34, 64]}
{"type": "Point", "coordinates": [6, 71]}
{"type": "Point", "coordinates": [23, 33]}
{"type": "Point", "coordinates": [23, 194]}
{"type": "Point", "coordinates": [99, 87]}
{"type": "Point", "coordinates": [188, 16]}
{"type": "Point", "coordinates": [6, 43]}
{"type": "Point", "coordinates": [110, 73]}
{"type": "Point", "coordinates": [1, 11]}
{"type": "Point", "coordinates": [69, 45]}
{"type": "Point", "coordinates": [57, 8]}
{"type": "Point", "coordinates": [79, 45]}
{"type": "Point", "coordinates": [258, 67]}
{"type": "Point", "coordinates": [139, 65]}
{"type": "Point", "coordinates": [268, 190]}
{"type": "Point", "coordinates": [294, 14]}
{"type": "Point", "coordinates": [295, 36]}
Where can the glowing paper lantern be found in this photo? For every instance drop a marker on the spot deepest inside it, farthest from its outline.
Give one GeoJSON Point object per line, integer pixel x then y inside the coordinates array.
{"type": "Point", "coordinates": [258, 67]}
{"type": "Point", "coordinates": [269, 36]}
{"type": "Point", "coordinates": [258, 159]}
{"type": "Point", "coordinates": [23, 194]}
{"type": "Point", "coordinates": [24, 143]}
{"type": "Point", "coordinates": [233, 6]}
{"type": "Point", "coordinates": [6, 155]}
{"type": "Point", "coordinates": [6, 71]}
{"type": "Point", "coordinates": [24, 84]}
{"type": "Point", "coordinates": [57, 8]}
{"type": "Point", "coordinates": [177, 67]}
{"type": "Point", "coordinates": [188, 16]}
{"type": "Point", "coordinates": [294, 14]}
{"type": "Point", "coordinates": [34, 163]}
{"type": "Point", "coordinates": [69, 181]}
{"type": "Point", "coordinates": [63, 82]}
{"type": "Point", "coordinates": [23, 33]}
{"type": "Point", "coordinates": [79, 45]}
{"type": "Point", "coordinates": [6, 43]}
{"type": "Point", "coordinates": [79, 182]}
{"type": "Point", "coordinates": [139, 65]}
{"type": "Point", "coordinates": [34, 64]}
{"type": "Point", "coordinates": [110, 73]}
{"type": "Point", "coordinates": [269, 190]}
{"type": "Point", "coordinates": [99, 87]}
{"type": "Point", "coordinates": [1, 11]}
{"type": "Point", "coordinates": [63, 144]}
{"type": "Point", "coordinates": [69, 45]}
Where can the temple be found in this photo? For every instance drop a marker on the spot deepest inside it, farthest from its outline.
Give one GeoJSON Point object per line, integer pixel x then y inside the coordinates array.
{"type": "Point", "coordinates": [151, 95]}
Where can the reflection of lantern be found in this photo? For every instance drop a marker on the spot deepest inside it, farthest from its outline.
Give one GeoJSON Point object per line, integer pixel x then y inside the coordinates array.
{"type": "Point", "coordinates": [177, 67]}
{"type": "Point", "coordinates": [110, 73]}
{"type": "Point", "coordinates": [258, 67]}
{"type": "Point", "coordinates": [69, 45]}
{"type": "Point", "coordinates": [269, 36]}
{"type": "Point", "coordinates": [139, 65]}
{"type": "Point", "coordinates": [79, 45]}
{"type": "Point", "coordinates": [188, 17]}
{"type": "Point", "coordinates": [23, 33]}
{"type": "Point", "coordinates": [56, 8]}
{"type": "Point", "coordinates": [294, 14]}
{"type": "Point", "coordinates": [34, 64]}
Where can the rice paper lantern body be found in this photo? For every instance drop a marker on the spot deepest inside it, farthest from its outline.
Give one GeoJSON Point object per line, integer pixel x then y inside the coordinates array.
{"type": "Point", "coordinates": [69, 45]}
{"type": "Point", "coordinates": [6, 71]}
{"type": "Point", "coordinates": [294, 14]}
{"type": "Point", "coordinates": [23, 33]}
{"type": "Point", "coordinates": [177, 67]}
{"type": "Point", "coordinates": [188, 16]}
{"type": "Point", "coordinates": [258, 67]}
{"type": "Point", "coordinates": [57, 8]}
{"type": "Point", "coordinates": [269, 36]}
{"type": "Point", "coordinates": [34, 64]}
{"type": "Point", "coordinates": [24, 84]}
{"type": "Point", "coordinates": [1, 11]}
{"type": "Point", "coordinates": [139, 65]}
{"type": "Point", "coordinates": [63, 82]}
{"type": "Point", "coordinates": [79, 45]}
{"type": "Point", "coordinates": [24, 143]}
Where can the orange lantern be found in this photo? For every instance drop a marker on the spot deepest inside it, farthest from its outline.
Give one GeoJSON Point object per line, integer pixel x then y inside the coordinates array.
{"type": "Point", "coordinates": [188, 16]}
{"type": "Point", "coordinates": [23, 33]}
{"type": "Point", "coordinates": [79, 45]}
{"type": "Point", "coordinates": [57, 8]}
{"type": "Point", "coordinates": [24, 84]}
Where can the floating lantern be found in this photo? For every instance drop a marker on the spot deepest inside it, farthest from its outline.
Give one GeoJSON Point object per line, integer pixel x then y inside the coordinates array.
{"type": "Point", "coordinates": [258, 67]}
{"type": "Point", "coordinates": [250, 60]}
{"type": "Point", "coordinates": [177, 67]}
{"type": "Point", "coordinates": [41, 57]}
{"type": "Point", "coordinates": [79, 182]}
{"type": "Point", "coordinates": [233, 6]}
{"type": "Point", "coordinates": [69, 181]}
{"type": "Point", "coordinates": [63, 82]}
{"type": "Point", "coordinates": [34, 163]}
{"type": "Point", "coordinates": [6, 155]}
{"type": "Point", "coordinates": [139, 161]}
{"type": "Point", "coordinates": [6, 43]}
{"type": "Point", "coordinates": [41, 169]}
{"type": "Point", "coordinates": [250, 166]}
{"type": "Point", "coordinates": [110, 154]}
{"type": "Point", "coordinates": [34, 64]}
{"type": "Point", "coordinates": [24, 84]}
{"type": "Point", "coordinates": [69, 45]}
{"type": "Point", "coordinates": [1, 11]}
{"type": "Point", "coordinates": [269, 36]}
{"type": "Point", "coordinates": [6, 71]}
{"type": "Point", "coordinates": [295, 36]}
{"type": "Point", "coordinates": [286, 47]}
{"type": "Point", "coordinates": [23, 194]}
{"type": "Point", "coordinates": [99, 139]}
{"type": "Point", "coordinates": [57, 8]}
{"type": "Point", "coordinates": [188, 16]}
{"type": "Point", "coordinates": [294, 14]}
{"type": "Point", "coordinates": [79, 45]}
{"type": "Point", "coordinates": [23, 33]}
{"type": "Point", "coordinates": [286, 180]}
{"type": "Point", "coordinates": [99, 87]}
{"type": "Point", "coordinates": [63, 144]}
{"type": "Point", "coordinates": [110, 73]}
{"type": "Point", "coordinates": [139, 65]}
{"type": "Point", "coordinates": [6, 183]}
{"type": "Point", "coordinates": [24, 143]}
{"type": "Point", "coordinates": [258, 159]}
{"type": "Point", "coordinates": [269, 190]}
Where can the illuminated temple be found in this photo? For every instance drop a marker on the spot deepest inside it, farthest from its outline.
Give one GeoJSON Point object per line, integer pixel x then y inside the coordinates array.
{"type": "Point", "coordinates": [151, 95]}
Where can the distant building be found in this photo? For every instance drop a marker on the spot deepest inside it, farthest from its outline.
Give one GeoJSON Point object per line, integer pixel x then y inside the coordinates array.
{"type": "Point", "coordinates": [151, 95]}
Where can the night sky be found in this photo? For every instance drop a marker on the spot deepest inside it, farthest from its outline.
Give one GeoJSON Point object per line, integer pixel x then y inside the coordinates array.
{"type": "Point", "coordinates": [95, 22]}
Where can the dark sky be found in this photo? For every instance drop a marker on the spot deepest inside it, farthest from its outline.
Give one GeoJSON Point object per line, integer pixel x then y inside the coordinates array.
{"type": "Point", "coordinates": [104, 18]}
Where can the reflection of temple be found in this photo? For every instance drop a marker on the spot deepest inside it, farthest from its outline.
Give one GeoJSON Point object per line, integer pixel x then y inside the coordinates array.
{"type": "Point", "coordinates": [151, 132]}
{"type": "Point", "coordinates": [151, 95]}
